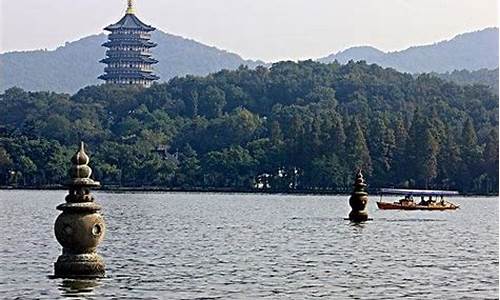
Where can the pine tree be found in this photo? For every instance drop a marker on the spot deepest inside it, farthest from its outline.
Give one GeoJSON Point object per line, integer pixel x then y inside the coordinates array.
{"type": "Point", "coordinates": [399, 171]}
{"type": "Point", "coordinates": [471, 156]}
{"type": "Point", "coordinates": [490, 163]}
{"type": "Point", "coordinates": [337, 137]}
{"type": "Point", "coordinates": [276, 133]}
{"type": "Point", "coordinates": [316, 136]}
{"type": "Point", "coordinates": [421, 151]}
{"type": "Point", "coordinates": [188, 171]}
{"type": "Point", "coordinates": [357, 153]}
{"type": "Point", "coordinates": [449, 161]}
{"type": "Point", "coordinates": [381, 143]}
{"type": "Point", "coordinates": [426, 163]}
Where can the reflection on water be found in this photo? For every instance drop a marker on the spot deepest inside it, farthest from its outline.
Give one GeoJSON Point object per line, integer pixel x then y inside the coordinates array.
{"type": "Point", "coordinates": [77, 287]}
{"type": "Point", "coordinates": [213, 246]}
{"type": "Point", "coordinates": [358, 225]}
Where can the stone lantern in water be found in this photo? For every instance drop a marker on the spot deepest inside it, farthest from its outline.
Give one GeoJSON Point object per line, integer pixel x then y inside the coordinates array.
{"type": "Point", "coordinates": [80, 227]}
{"type": "Point", "coordinates": [358, 200]}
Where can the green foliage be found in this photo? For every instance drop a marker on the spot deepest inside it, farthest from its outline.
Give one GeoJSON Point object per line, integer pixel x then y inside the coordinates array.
{"type": "Point", "coordinates": [231, 167]}
{"type": "Point", "coordinates": [357, 154]}
{"type": "Point", "coordinates": [304, 126]}
{"type": "Point", "coordinates": [466, 77]}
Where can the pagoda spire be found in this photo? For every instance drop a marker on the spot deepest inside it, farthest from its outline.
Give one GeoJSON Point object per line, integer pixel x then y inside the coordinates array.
{"type": "Point", "coordinates": [130, 7]}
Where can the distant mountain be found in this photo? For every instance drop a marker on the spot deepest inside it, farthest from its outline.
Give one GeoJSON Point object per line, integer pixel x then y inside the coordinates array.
{"type": "Point", "coordinates": [76, 64]}
{"type": "Point", "coordinates": [358, 53]}
{"type": "Point", "coordinates": [470, 51]}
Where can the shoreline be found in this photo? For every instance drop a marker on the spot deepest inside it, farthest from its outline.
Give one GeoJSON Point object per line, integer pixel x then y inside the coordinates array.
{"type": "Point", "coordinates": [115, 189]}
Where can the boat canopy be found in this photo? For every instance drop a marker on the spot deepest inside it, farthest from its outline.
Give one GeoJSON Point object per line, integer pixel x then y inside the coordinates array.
{"type": "Point", "coordinates": [417, 192]}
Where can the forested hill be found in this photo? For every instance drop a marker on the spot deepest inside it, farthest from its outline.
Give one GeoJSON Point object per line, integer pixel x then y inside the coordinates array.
{"type": "Point", "coordinates": [463, 77]}
{"type": "Point", "coordinates": [470, 51]}
{"type": "Point", "coordinates": [76, 64]}
{"type": "Point", "coordinates": [296, 126]}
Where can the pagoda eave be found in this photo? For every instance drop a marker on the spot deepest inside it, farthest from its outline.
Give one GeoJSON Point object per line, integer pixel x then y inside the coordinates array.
{"type": "Point", "coordinates": [129, 76]}
{"type": "Point", "coordinates": [129, 22]}
{"type": "Point", "coordinates": [145, 60]}
{"type": "Point", "coordinates": [111, 44]}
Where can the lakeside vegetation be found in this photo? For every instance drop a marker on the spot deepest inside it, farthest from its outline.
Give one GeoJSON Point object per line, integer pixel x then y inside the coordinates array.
{"type": "Point", "coordinates": [294, 126]}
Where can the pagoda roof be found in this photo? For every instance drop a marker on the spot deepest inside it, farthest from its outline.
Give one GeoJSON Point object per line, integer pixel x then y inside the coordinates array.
{"type": "Point", "coordinates": [135, 75]}
{"type": "Point", "coordinates": [129, 42]}
{"type": "Point", "coordinates": [129, 21]}
{"type": "Point", "coordinates": [141, 59]}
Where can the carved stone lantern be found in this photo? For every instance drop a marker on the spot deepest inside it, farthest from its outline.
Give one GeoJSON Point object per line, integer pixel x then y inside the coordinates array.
{"type": "Point", "coordinates": [80, 227]}
{"type": "Point", "coordinates": [358, 200]}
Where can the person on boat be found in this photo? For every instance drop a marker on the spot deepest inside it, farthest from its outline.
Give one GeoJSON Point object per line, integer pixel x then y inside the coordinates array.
{"type": "Point", "coordinates": [422, 201]}
{"type": "Point", "coordinates": [408, 200]}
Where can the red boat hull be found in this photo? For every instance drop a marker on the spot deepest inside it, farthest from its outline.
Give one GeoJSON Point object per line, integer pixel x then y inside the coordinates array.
{"type": "Point", "coordinates": [386, 205]}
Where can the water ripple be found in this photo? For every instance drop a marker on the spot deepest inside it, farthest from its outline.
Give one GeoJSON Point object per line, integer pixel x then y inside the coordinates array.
{"type": "Point", "coordinates": [211, 246]}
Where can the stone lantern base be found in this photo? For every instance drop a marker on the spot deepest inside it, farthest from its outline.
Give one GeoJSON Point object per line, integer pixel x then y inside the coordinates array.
{"type": "Point", "coordinates": [359, 216]}
{"type": "Point", "coordinates": [79, 265]}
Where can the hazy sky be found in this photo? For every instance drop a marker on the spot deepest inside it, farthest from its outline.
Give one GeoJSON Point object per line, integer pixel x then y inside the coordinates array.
{"type": "Point", "coordinates": [258, 29]}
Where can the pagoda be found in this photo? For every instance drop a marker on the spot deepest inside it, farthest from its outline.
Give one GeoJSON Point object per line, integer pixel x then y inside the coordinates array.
{"type": "Point", "coordinates": [129, 58]}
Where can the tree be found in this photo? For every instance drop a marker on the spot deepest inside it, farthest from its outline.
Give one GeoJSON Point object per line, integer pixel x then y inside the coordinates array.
{"type": "Point", "coordinates": [450, 160]}
{"type": "Point", "coordinates": [471, 156]}
{"type": "Point", "coordinates": [426, 164]}
{"type": "Point", "coordinates": [29, 170]}
{"type": "Point", "coordinates": [276, 133]}
{"type": "Point", "coordinates": [230, 167]}
{"type": "Point", "coordinates": [421, 151]}
{"type": "Point", "coordinates": [188, 172]}
{"type": "Point", "coordinates": [382, 144]}
{"type": "Point", "coordinates": [212, 102]}
{"type": "Point", "coordinates": [400, 161]}
{"type": "Point", "coordinates": [326, 172]}
{"type": "Point", "coordinates": [490, 162]}
{"type": "Point", "coordinates": [5, 164]}
{"type": "Point", "coordinates": [300, 125]}
{"type": "Point", "coordinates": [357, 153]}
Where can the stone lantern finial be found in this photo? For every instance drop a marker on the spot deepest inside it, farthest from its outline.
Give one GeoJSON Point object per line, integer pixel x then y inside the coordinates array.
{"type": "Point", "coordinates": [80, 171]}
{"type": "Point", "coordinates": [358, 200]}
{"type": "Point", "coordinates": [359, 182]}
{"type": "Point", "coordinates": [79, 228]}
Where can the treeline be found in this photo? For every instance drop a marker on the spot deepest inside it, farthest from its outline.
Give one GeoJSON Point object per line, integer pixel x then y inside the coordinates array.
{"type": "Point", "coordinates": [463, 77]}
{"type": "Point", "coordinates": [294, 126]}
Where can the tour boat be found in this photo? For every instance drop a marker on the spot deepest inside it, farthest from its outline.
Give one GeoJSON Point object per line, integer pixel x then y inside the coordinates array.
{"type": "Point", "coordinates": [408, 203]}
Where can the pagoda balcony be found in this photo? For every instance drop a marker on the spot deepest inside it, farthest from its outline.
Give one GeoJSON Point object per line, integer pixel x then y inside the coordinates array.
{"type": "Point", "coordinates": [128, 53]}
{"type": "Point", "coordinates": [128, 60]}
{"type": "Point", "coordinates": [125, 70]}
{"type": "Point", "coordinates": [129, 43]}
{"type": "Point", "coordinates": [121, 36]}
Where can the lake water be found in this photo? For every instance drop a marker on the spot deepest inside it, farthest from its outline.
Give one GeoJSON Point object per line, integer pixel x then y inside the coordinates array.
{"type": "Point", "coordinates": [224, 246]}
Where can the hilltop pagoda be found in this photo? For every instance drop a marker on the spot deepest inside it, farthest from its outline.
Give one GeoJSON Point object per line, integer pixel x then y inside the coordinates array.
{"type": "Point", "coordinates": [129, 58]}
